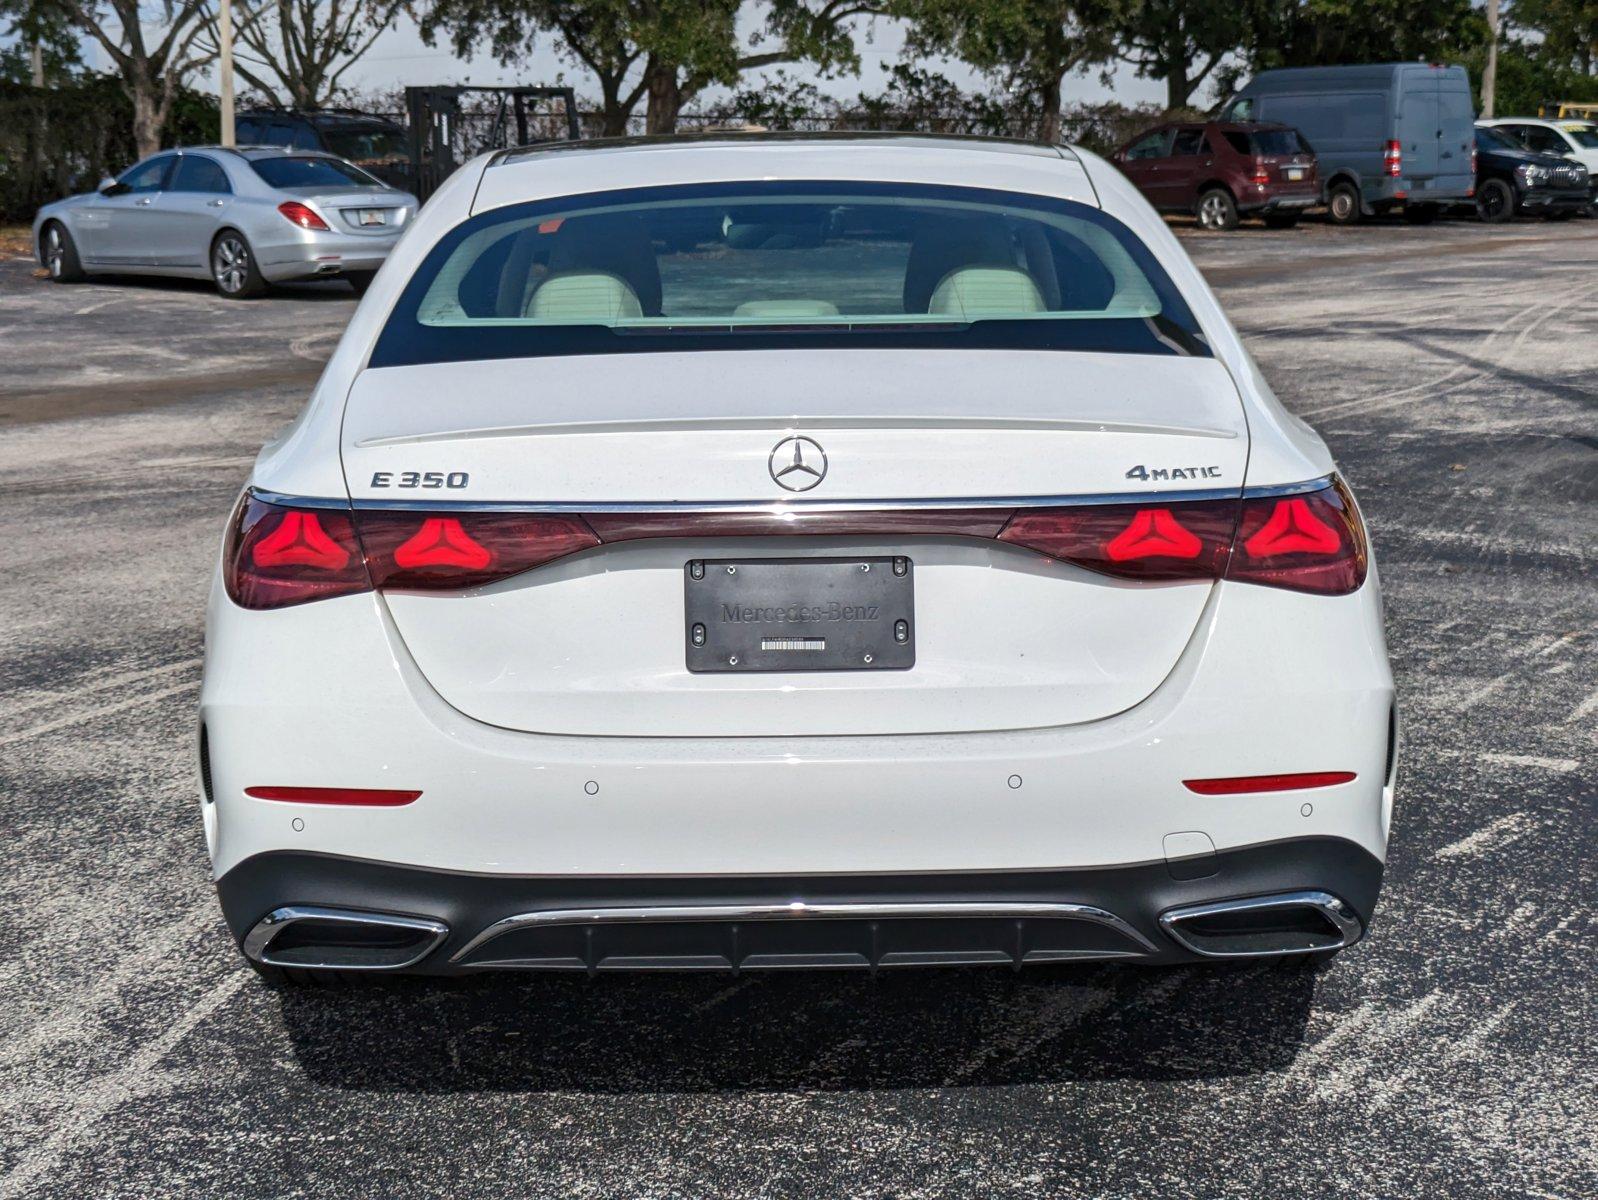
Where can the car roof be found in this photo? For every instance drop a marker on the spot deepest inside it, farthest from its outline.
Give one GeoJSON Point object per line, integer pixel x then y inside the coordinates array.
{"type": "Point", "coordinates": [570, 168]}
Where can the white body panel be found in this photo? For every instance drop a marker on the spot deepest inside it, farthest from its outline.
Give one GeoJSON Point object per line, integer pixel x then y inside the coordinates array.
{"type": "Point", "coordinates": [549, 721]}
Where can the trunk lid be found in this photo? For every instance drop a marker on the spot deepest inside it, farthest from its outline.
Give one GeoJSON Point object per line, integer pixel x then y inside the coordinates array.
{"type": "Point", "coordinates": [595, 643]}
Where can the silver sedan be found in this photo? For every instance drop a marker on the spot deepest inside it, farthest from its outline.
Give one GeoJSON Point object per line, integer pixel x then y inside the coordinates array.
{"type": "Point", "coordinates": [245, 218]}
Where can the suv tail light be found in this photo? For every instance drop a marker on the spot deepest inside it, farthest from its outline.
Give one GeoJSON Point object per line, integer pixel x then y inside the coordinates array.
{"type": "Point", "coordinates": [278, 555]}
{"type": "Point", "coordinates": [1261, 175]}
{"type": "Point", "coordinates": [302, 215]}
{"type": "Point", "coordinates": [1393, 158]}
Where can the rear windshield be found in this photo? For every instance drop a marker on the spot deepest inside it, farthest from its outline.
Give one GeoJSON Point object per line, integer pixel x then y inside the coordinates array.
{"type": "Point", "coordinates": [311, 172]}
{"type": "Point", "coordinates": [1279, 141]}
{"type": "Point", "coordinates": [777, 265]}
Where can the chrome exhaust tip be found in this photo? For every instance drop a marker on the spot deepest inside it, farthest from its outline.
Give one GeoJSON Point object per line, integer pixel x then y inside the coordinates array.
{"type": "Point", "coordinates": [1264, 926]}
{"type": "Point", "coordinates": [312, 938]}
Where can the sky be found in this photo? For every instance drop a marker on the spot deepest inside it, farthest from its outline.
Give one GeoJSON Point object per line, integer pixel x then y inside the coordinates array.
{"type": "Point", "coordinates": [400, 57]}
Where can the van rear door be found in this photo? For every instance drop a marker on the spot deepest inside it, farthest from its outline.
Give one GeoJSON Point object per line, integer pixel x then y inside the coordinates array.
{"type": "Point", "coordinates": [1457, 137]}
{"type": "Point", "coordinates": [1419, 126]}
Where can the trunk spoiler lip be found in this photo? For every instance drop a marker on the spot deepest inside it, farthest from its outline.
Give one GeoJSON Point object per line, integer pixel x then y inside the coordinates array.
{"type": "Point", "coordinates": [794, 506]}
{"type": "Point", "coordinates": [786, 424]}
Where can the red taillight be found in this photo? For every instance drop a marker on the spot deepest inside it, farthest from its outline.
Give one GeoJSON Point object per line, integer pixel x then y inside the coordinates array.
{"type": "Point", "coordinates": [1309, 543]}
{"type": "Point", "coordinates": [302, 215]}
{"type": "Point", "coordinates": [430, 552]}
{"type": "Point", "coordinates": [1238, 785]}
{"type": "Point", "coordinates": [1261, 175]}
{"type": "Point", "coordinates": [1134, 541]}
{"type": "Point", "coordinates": [1393, 158]}
{"type": "Point", "coordinates": [278, 556]}
{"type": "Point", "coordinates": [360, 797]}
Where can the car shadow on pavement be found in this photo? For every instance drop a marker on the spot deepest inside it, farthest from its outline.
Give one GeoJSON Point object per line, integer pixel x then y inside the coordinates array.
{"type": "Point", "coordinates": [817, 1031]}
{"type": "Point", "coordinates": [309, 289]}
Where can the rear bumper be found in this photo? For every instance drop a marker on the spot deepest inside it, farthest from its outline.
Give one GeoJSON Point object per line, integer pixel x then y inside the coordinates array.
{"type": "Point", "coordinates": [1322, 890]}
{"type": "Point", "coordinates": [309, 253]}
{"type": "Point", "coordinates": [1286, 203]}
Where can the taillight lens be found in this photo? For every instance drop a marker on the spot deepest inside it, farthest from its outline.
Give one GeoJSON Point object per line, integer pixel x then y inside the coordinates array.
{"type": "Point", "coordinates": [438, 552]}
{"type": "Point", "coordinates": [1261, 175]}
{"type": "Point", "coordinates": [1312, 542]}
{"type": "Point", "coordinates": [302, 215]}
{"type": "Point", "coordinates": [1393, 158]}
{"type": "Point", "coordinates": [1133, 541]}
{"type": "Point", "coordinates": [277, 556]}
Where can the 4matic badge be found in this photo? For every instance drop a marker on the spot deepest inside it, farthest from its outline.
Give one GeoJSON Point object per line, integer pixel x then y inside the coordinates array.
{"type": "Point", "coordinates": [1152, 473]}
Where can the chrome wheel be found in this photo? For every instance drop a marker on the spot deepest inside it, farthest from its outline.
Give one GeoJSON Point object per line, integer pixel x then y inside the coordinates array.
{"type": "Point", "coordinates": [54, 252]}
{"type": "Point", "coordinates": [230, 264]}
{"type": "Point", "coordinates": [1212, 212]}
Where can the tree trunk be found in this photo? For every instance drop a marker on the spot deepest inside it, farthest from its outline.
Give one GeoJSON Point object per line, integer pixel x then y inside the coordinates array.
{"type": "Point", "coordinates": [665, 100]}
{"type": "Point", "coordinates": [147, 116]}
{"type": "Point", "coordinates": [1049, 118]}
{"type": "Point", "coordinates": [1177, 87]}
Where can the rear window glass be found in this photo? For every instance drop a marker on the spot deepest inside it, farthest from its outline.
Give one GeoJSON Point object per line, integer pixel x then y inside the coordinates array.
{"type": "Point", "coordinates": [766, 265]}
{"type": "Point", "coordinates": [311, 172]}
{"type": "Point", "coordinates": [367, 145]}
{"type": "Point", "coordinates": [1279, 142]}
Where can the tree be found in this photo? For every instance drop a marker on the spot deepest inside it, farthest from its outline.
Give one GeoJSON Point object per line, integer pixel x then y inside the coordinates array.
{"type": "Point", "coordinates": [1311, 33]}
{"type": "Point", "coordinates": [663, 52]}
{"type": "Point", "coordinates": [1568, 30]}
{"type": "Point", "coordinates": [1029, 46]}
{"type": "Point", "coordinates": [152, 76]}
{"type": "Point", "coordinates": [295, 52]}
{"type": "Point", "coordinates": [39, 36]}
{"type": "Point", "coordinates": [1179, 41]}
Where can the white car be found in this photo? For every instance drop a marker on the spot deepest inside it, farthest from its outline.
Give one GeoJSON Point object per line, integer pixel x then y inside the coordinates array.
{"type": "Point", "coordinates": [793, 551]}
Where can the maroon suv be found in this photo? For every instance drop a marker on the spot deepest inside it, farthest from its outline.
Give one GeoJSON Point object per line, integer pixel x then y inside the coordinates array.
{"type": "Point", "coordinates": [1224, 171]}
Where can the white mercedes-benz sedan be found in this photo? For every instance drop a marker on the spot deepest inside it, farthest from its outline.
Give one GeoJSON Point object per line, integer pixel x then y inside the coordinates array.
{"type": "Point", "coordinates": [791, 551]}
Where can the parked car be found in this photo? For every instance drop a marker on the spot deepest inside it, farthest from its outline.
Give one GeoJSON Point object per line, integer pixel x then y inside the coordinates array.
{"type": "Point", "coordinates": [1572, 139]}
{"type": "Point", "coordinates": [918, 573]}
{"type": "Point", "coordinates": [378, 145]}
{"type": "Point", "coordinates": [1512, 179]}
{"type": "Point", "coordinates": [1386, 136]}
{"type": "Point", "coordinates": [244, 218]}
{"type": "Point", "coordinates": [1224, 171]}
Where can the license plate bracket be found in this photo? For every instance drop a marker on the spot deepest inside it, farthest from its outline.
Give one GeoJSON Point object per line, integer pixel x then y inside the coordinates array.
{"type": "Point", "coordinates": [800, 614]}
{"type": "Point", "coordinates": [372, 216]}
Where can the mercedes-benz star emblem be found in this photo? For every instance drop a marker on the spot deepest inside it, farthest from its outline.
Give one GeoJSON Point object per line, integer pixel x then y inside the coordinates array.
{"type": "Point", "coordinates": [798, 463]}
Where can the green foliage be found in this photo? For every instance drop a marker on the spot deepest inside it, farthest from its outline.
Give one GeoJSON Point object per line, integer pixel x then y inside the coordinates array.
{"type": "Point", "coordinates": [1179, 41]}
{"type": "Point", "coordinates": [1309, 33]}
{"type": "Point", "coordinates": [27, 22]}
{"type": "Point", "coordinates": [60, 140]}
{"type": "Point", "coordinates": [1527, 80]}
{"type": "Point", "coordinates": [1567, 29]}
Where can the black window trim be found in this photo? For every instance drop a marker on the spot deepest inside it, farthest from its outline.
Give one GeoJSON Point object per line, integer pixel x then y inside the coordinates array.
{"type": "Point", "coordinates": [405, 341]}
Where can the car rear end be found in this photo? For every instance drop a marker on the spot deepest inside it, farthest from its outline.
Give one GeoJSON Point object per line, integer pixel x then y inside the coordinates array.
{"type": "Point", "coordinates": [325, 217]}
{"type": "Point", "coordinates": [1279, 169]}
{"type": "Point", "coordinates": [663, 618]}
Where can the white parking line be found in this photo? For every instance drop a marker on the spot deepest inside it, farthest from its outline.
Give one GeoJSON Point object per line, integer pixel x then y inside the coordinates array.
{"type": "Point", "coordinates": [79, 718]}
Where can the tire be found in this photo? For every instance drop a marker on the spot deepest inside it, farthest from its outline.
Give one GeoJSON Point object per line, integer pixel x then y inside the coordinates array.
{"type": "Point", "coordinates": [1420, 214]}
{"type": "Point", "coordinates": [1343, 204]}
{"type": "Point", "coordinates": [1281, 220]}
{"type": "Point", "coordinates": [1217, 210]}
{"type": "Point", "coordinates": [359, 281]}
{"type": "Point", "coordinates": [58, 254]}
{"type": "Point", "coordinates": [1495, 202]}
{"type": "Point", "coordinates": [233, 267]}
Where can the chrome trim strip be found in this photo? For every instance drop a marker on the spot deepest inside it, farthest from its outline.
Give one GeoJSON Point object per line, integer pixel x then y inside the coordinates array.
{"type": "Point", "coordinates": [776, 508]}
{"type": "Point", "coordinates": [258, 942]}
{"type": "Point", "coordinates": [801, 910]}
{"type": "Point", "coordinates": [1328, 905]}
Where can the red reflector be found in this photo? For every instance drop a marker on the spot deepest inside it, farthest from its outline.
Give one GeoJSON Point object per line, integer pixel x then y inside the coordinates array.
{"type": "Point", "coordinates": [299, 541]}
{"type": "Point", "coordinates": [302, 215]}
{"type": "Point", "coordinates": [1240, 784]}
{"type": "Point", "coordinates": [1153, 532]}
{"type": "Point", "coordinates": [363, 797]}
{"type": "Point", "coordinates": [441, 542]}
{"type": "Point", "coordinates": [1293, 529]}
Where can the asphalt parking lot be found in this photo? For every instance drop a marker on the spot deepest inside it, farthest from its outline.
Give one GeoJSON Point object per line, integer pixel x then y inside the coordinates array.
{"type": "Point", "coordinates": [1453, 369]}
